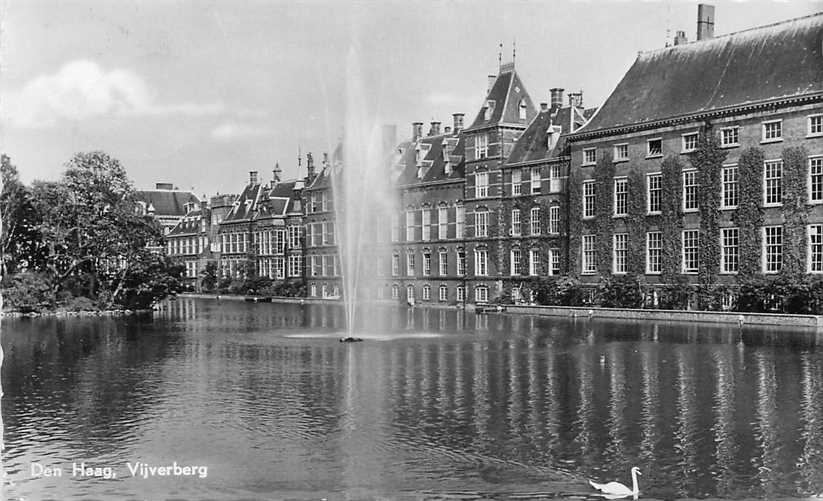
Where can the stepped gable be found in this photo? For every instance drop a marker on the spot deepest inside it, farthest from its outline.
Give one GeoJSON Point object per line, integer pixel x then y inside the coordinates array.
{"type": "Point", "coordinates": [767, 63]}
{"type": "Point", "coordinates": [507, 92]}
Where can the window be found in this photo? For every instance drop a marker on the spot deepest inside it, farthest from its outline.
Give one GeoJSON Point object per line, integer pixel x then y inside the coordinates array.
{"type": "Point", "coordinates": [554, 219]}
{"type": "Point", "coordinates": [773, 249]}
{"type": "Point", "coordinates": [295, 265]}
{"type": "Point", "coordinates": [515, 261]}
{"type": "Point", "coordinates": [409, 225]}
{"type": "Point", "coordinates": [534, 262]}
{"type": "Point", "coordinates": [427, 221]}
{"type": "Point", "coordinates": [279, 268]}
{"type": "Point", "coordinates": [690, 142]}
{"type": "Point", "coordinates": [481, 257]}
{"type": "Point", "coordinates": [395, 228]}
{"type": "Point", "coordinates": [772, 131]}
{"type": "Point", "coordinates": [410, 263]}
{"type": "Point", "coordinates": [588, 198]}
{"type": "Point", "coordinates": [589, 255]}
{"type": "Point", "coordinates": [328, 233]}
{"type": "Point", "coordinates": [621, 197]}
{"type": "Point", "coordinates": [294, 238]}
{"type": "Point", "coordinates": [443, 293]}
{"type": "Point", "coordinates": [443, 263]}
{"type": "Point", "coordinates": [395, 291]}
{"type": "Point", "coordinates": [535, 175]}
{"type": "Point", "coordinates": [816, 125]}
{"type": "Point", "coordinates": [442, 223]}
{"type": "Point", "coordinates": [621, 242]}
{"type": "Point", "coordinates": [772, 182]}
{"type": "Point", "coordinates": [460, 294]}
{"type": "Point", "coordinates": [554, 261]}
{"type": "Point", "coordinates": [515, 222]}
{"type": "Point", "coordinates": [653, 190]}
{"type": "Point", "coordinates": [427, 263]}
{"type": "Point", "coordinates": [690, 190]}
{"type": "Point", "coordinates": [461, 262]}
{"type": "Point", "coordinates": [589, 156]}
{"type": "Point", "coordinates": [815, 249]}
{"type": "Point", "coordinates": [728, 187]}
{"type": "Point", "coordinates": [621, 152]}
{"type": "Point", "coordinates": [730, 136]}
{"type": "Point", "coordinates": [427, 292]}
{"type": "Point", "coordinates": [481, 294]}
{"type": "Point", "coordinates": [554, 179]}
{"type": "Point", "coordinates": [691, 249]}
{"type": "Point", "coordinates": [481, 184]}
{"type": "Point", "coordinates": [534, 220]}
{"type": "Point", "coordinates": [410, 292]}
{"type": "Point", "coordinates": [816, 179]}
{"type": "Point", "coordinates": [523, 109]}
{"type": "Point", "coordinates": [654, 247]}
{"type": "Point", "coordinates": [481, 146]}
{"type": "Point", "coordinates": [654, 147]}
{"type": "Point", "coordinates": [460, 220]}
{"type": "Point", "coordinates": [395, 265]}
{"type": "Point", "coordinates": [481, 223]}
{"type": "Point", "coordinates": [517, 187]}
{"type": "Point", "coordinates": [316, 266]}
{"type": "Point", "coordinates": [729, 250]}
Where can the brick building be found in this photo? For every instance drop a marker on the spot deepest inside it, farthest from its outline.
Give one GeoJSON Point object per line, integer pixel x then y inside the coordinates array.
{"type": "Point", "coordinates": [760, 88]}
{"type": "Point", "coordinates": [322, 259]}
{"type": "Point", "coordinates": [165, 203]}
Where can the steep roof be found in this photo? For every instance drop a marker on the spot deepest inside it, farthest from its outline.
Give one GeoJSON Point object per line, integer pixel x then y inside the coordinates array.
{"type": "Point", "coordinates": [437, 152]}
{"type": "Point", "coordinates": [761, 64]}
{"type": "Point", "coordinates": [506, 94]}
{"type": "Point", "coordinates": [533, 144]}
{"type": "Point", "coordinates": [166, 202]}
{"type": "Point", "coordinates": [190, 224]}
{"type": "Point", "coordinates": [245, 205]}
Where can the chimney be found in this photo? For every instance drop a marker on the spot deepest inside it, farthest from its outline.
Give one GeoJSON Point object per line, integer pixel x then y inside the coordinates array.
{"type": "Point", "coordinates": [253, 177]}
{"type": "Point", "coordinates": [447, 130]}
{"type": "Point", "coordinates": [705, 21]}
{"type": "Point", "coordinates": [492, 78]}
{"type": "Point", "coordinates": [163, 186]}
{"type": "Point", "coordinates": [276, 174]}
{"type": "Point", "coordinates": [389, 138]}
{"type": "Point", "coordinates": [417, 130]}
{"type": "Point", "coordinates": [458, 122]}
{"type": "Point", "coordinates": [556, 97]}
{"type": "Point", "coordinates": [544, 106]}
{"type": "Point", "coordinates": [576, 99]}
{"type": "Point", "coordinates": [309, 165]}
{"type": "Point", "coordinates": [435, 129]}
{"type": "Point", "coordinates": [680, 38]}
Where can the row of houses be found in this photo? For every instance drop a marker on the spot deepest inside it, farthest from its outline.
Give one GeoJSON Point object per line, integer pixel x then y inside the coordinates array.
{"type": "Point", "coordinates": [529, 190]}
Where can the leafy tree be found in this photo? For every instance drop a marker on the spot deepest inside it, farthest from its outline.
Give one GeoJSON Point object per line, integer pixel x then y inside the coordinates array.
{"type": "Point", "coordinates": [210, 276]}
{"type": "Point", "coordinates": [20, 244]}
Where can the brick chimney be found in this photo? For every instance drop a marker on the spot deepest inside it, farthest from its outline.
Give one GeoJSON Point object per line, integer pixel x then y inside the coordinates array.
{"type": "Point", "coordinates": [435, 129]}
{"type": "Point", "coordinates": [163, 186]}
{"type": "Point", "coordinates": [458, 122]}
{"type": "Point", "coordinates": [680, 38]}
{"type": "Point", "coordinates": [310, 165]}
{"type": "Point", "coordinates": [576, 99]}
{"type": "Point", "coordinates": [447, 130]}
{"type": "Point", "coordinates": [556, 97]}
{"type": "Point", "coordinates": [253, 177]}
{"type": "Point", "coordinates": [705, 21]}
{"type": "Point", "coordinates": [417, 130]}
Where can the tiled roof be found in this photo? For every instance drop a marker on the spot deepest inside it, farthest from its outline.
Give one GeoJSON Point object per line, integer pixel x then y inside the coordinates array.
{"type": "Point", "coordinates": [506, 93]}
{"type": "Point", "coordinates": [761, 64]}
{"type": "Point", "coordinates": [166, 202]}
{"type": "Point", "coordinates": [437, 151]}
{"type": "Point", "coordinates": [244, 207]}
{"type": "Point", "coordinates": [190, 224]}
{"type": "Point", "coordinates": [533, 144]}
{"type": "Point", "coordinates": [261, 201]}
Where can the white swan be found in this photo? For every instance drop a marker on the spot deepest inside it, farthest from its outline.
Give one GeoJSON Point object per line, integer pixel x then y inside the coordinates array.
{"type": "Point", "coordinates": [616, 490]}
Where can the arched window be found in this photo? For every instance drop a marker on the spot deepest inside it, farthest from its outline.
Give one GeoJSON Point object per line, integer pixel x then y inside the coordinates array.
{"type": "Point", "coordinates": [443, 293]}
{"type": "Point", "coordinates": [395, 291]}
{"type": "Point", "coordinates": [427, 292]}
{"type": "Point", "coordinates": [522, 109]}
{"type": "Point", "coordinates": [410, 292]}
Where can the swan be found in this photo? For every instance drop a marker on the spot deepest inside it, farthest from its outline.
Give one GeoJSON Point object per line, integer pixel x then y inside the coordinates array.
{"type": "Point", "coordinates": [616, 490]}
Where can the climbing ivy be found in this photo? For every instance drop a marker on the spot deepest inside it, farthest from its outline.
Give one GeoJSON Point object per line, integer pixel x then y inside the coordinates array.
{"type": "Point", "coordinates": [708, 160]}
{"type": "Point", "coordinates": [604, 223]}
{"type": "Point", "coordinates": [795, 213]}
{"type": "Point", "coordinates": [574, 217]}
{"type": "Point", "coordinates": [636, 223]}
{"type": "Point", "coordinates": [749, 215]}
{"type": "Point", "coordinates": [671, 218]}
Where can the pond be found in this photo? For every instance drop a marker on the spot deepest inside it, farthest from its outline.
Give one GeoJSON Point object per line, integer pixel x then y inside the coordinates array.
{"type": "Point", "coordinates": [261, 401]}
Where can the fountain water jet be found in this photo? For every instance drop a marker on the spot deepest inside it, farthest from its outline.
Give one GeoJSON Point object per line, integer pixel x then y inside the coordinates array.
{"type": "Point", "coordinates": [364, 196]}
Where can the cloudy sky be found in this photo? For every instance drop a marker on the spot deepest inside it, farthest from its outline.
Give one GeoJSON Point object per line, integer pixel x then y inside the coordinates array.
{"type": "Point", "coordinates": [198, 93]}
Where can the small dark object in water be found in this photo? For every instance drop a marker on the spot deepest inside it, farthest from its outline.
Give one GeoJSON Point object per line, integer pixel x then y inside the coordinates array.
{"type": "Point", "coordinates": [350, 339]}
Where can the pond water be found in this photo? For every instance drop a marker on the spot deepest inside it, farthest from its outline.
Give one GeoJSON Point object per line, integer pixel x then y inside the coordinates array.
{"type": "Point", "coordinates": [433, 404]}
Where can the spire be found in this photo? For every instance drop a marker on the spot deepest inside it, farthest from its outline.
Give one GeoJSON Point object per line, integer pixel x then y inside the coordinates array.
{"type": "Point", "coordinates": [277, 172]}
{"type": "Point", "coordinates": [500, 58]}
{"type": "Point", "coordinates": [514, 50]}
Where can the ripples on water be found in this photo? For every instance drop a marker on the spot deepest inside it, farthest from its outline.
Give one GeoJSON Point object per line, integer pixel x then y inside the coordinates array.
{"type": "Point", "coordinates": [433, 404]}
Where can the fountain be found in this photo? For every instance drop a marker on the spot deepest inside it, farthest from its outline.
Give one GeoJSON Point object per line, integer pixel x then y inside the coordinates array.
{"type": "Point", "coordinates": [364, 198]}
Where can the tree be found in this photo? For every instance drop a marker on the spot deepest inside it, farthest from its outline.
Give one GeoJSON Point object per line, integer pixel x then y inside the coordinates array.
{"type": "Point", "coordinates": [20, 243]}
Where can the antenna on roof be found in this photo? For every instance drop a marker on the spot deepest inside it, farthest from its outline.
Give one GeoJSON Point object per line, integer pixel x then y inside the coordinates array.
{"type": "Point", "coordinates": [514, 50]}
{"type": "Point", "coordinates": [500, 58]}
{"type": "Point", "coordinates": [668, 23]}
{"type": "Point", "coordinates": [299, 154]}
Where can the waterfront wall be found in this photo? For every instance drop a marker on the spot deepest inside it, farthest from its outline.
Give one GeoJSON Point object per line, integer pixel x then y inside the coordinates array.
{"type": "Point", "coordinates": [673, 315]}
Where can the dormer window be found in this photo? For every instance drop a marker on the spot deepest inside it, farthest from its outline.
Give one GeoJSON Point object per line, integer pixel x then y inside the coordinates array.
{"type": "Point", "coordinates": [522, 109]}
{"type": "Point", "coordinates": [489, 109]}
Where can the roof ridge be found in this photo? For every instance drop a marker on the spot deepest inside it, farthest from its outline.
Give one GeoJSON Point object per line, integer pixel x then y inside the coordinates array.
{"type": "Point", "coordinates": [727, 35]}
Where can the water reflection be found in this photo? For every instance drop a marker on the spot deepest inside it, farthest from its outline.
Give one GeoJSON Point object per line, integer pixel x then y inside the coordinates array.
{"type": "Point", "coordinates": [505, 406]}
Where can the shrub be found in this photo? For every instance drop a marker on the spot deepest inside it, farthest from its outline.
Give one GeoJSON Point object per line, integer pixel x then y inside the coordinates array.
{"type": "Point", "coordinates": [80, 303]}
{"type": "Point", "coordinates": [29, 292]}
{"type": "Point", "coordinates": [622, 291]}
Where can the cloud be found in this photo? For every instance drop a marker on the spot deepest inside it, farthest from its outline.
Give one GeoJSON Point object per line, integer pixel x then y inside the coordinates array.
{"type": "Point", "coordinates": [234, 130]}
{"type": "Point", "coordinates": [81, 90]}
